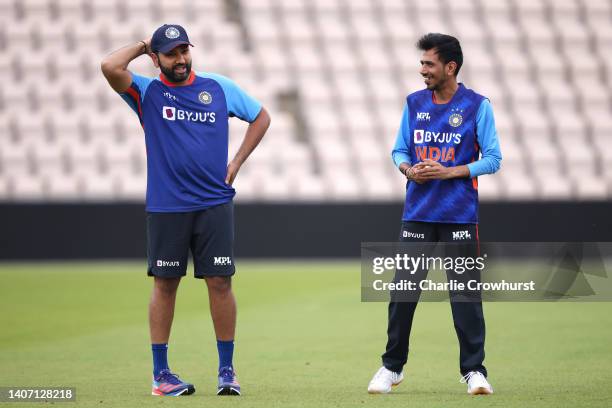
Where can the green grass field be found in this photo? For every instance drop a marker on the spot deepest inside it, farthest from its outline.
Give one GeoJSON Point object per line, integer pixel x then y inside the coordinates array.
{"type": "Point", "coordinates": [304, 340]}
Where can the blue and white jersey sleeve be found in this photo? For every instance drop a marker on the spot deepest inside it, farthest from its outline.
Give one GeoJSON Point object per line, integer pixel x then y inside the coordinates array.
{"type": "Point", "coordinates": [490, 160]}
{"type": "Point", "coordinates": [134, 95]}
{"type": "Point", "coordinates": [401, 150]}
{"type": "Point", "coordinates": [239, 103]}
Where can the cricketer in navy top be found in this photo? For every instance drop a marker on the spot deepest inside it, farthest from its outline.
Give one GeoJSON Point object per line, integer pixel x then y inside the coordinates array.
{"type": "Point", "coordinates": [447, 138]}
{"type": "Point", "coordinates": [185, 115]}
{"type": "Point", "coordinates": [453, 134]}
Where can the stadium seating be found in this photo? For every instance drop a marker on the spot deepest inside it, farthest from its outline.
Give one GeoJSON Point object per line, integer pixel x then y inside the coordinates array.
{"type": "Point", "coordinates": [333, 74]}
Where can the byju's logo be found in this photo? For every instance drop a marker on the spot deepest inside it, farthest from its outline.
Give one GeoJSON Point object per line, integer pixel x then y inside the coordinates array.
{"type": "Point", "coordinates": [461, 235]}
{"type": "Point", "coordinates": [169, 112]}
{"type": "Point", "coordinates": [418, 136]}
{"type": "Point", "coordinates": [416, 235]}
{"type": "Point", "coordinates": [222, 260]}
{"type": "Point", "coordinates": [427, 136]}
{"type": "Point", "coordinates": [161, 263]}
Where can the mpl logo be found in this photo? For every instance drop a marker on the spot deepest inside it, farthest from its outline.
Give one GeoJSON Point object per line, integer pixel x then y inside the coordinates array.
{"type": "Point", "coordinates": [461, 235]}
{"type": "Point", "coordinates": [423, 116]}
{"type": "Point", "coordinates": [169, 112]}
{"type": "Point", "coordinates": [418, 136]}
{"type": "Point", "coordinates": [162, 263]}
{"type": "Point", "coordinates": [222, 260]}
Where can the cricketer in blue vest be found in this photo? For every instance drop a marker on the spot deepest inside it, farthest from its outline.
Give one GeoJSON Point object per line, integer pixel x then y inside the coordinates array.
{"type": "Point", "coordinates": [189, 207]}
{"type": "Point", "coordinates": [447, 138]}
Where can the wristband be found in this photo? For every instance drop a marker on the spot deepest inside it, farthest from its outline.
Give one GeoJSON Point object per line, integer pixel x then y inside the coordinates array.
{"type": "Point", "coordinates": [145, 46]}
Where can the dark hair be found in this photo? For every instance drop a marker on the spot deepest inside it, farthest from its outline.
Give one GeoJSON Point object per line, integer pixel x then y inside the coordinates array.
{"type": "Point", "coordinates": [446, 46]}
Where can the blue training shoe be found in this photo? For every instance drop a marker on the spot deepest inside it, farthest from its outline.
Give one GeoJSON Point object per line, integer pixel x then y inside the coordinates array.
{"type": "Point", "coordinates": [228, 384]}
{"type": "Point", "coordinates": [168, 383]}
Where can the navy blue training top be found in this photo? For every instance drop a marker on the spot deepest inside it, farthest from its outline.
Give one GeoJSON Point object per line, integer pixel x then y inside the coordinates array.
{"type": "Point", "coordinates": [186, 136]}
{"type": "Point", "coordinates": [454, 134]}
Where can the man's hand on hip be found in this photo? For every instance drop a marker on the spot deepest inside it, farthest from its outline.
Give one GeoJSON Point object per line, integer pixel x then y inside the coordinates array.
{"type": "Point", "coordinates": [232, 171]}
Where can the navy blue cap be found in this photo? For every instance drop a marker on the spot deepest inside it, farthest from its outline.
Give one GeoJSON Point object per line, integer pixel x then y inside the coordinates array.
{"type": "Point", "coordinates": [167, 37]}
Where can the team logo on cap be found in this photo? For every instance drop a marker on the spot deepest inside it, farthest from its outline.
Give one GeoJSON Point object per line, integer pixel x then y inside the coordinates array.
{"type": "Point", "coordinates": [172, 33]}
{"type": "Point", "coordinates": [455, 119]}
{"type": "Point", "coordinates": [205, 97]}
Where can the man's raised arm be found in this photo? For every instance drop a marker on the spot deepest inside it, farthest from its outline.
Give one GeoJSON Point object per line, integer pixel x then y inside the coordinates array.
{"type": "Point", "coordinates": [114, 66]}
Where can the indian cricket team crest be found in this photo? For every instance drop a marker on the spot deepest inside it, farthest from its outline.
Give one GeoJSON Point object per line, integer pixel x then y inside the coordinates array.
{"type": "Point", "coordinates": [172, 33]}
{"type": "Point", "coordinates": [205, 97]}
{"type": "Point", "coordinates": [455, 119]}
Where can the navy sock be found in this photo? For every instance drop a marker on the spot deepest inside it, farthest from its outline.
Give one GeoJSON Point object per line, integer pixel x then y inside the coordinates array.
{"type": "Point", "coordinates": [226, 352]}
{"type": "Point", "coordinates": [160, 357]}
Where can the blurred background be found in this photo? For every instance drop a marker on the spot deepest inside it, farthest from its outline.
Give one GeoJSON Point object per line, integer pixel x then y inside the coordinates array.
{"type": "Point", "coordinates": [334, 75]}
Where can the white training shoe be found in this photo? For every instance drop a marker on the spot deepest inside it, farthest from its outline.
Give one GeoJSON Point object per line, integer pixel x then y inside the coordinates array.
{"type": "Point", "coordinates": [477, 383]}
{"type": "Point", "coordinates": [383, 380]}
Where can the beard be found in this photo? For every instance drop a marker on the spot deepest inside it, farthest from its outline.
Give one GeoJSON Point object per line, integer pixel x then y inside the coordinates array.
{"type": "Point", "coordinates": [439, 81]}
{"type": "Point", "coordinates": [435, 84]}
{"type": "Point", "coordinates": [175, 76]}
